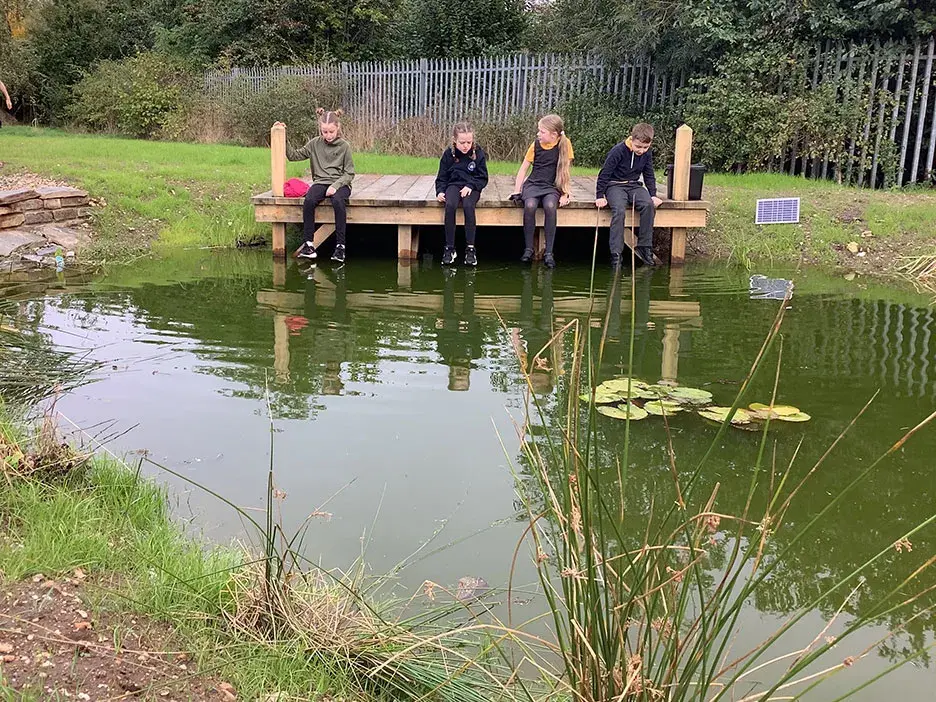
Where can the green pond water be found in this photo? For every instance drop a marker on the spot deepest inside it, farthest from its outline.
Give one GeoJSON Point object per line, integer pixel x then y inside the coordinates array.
{"type": "Point", "coordinates": [396, 392]}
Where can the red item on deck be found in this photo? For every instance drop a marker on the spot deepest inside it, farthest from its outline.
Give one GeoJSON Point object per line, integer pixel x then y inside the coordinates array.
{"type": "Point", "coordinates": [295, 187]}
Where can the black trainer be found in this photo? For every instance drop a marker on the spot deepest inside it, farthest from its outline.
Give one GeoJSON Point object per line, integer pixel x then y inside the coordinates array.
{"type": "Point", "coordinates": [338, 256]}
{"type": "Point", "coordinates": [549, 261]}
{"type": "Point", "coordinates": [306, 250]}
{"type": "Point", "coordinates": [527, 256]}
{"type": "Point", "coordinates": [471, 256]}
{"type": "Point", "coordinates": [645, 254]}
{"type": "Point", "coordinates": [449, 256]}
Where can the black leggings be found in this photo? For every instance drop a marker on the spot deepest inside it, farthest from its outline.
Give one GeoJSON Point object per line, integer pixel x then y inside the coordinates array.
{"type": "Point", "coordinates": [339, 203]}
{"type": "Point", "coordinates": [550, 207]}
{"type": "Point", "coordinates": [452, 198]}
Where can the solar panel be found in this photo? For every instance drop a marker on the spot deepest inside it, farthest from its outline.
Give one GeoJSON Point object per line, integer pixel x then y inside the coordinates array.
{"type": "Point", "coordinates": [778, 210]}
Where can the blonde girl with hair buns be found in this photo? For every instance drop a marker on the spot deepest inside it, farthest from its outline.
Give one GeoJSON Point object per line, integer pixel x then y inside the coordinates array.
{"type": "Point", "coordinates": [332, 172]}
{"type": "Point", "coordinates": [544, 179]}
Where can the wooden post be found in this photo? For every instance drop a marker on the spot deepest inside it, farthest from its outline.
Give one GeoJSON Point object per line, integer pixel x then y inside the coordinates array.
{"type": "Point", "coordinates": [407, 242]}
{"type": "Point", "coordinates": [670, 369]}
{"type": "Point", "coordinates": [280, 348]}
{"type": "Point", "coordinates": [539, 244]}
{"type": "Point", "coordinates": [279, 273]}
{"type": "Point", "coordinates": [277, 178]}
{"type": "Point", "coordinates": [404, 274]}
{"type": "Point", "coordinates": [681, 168]}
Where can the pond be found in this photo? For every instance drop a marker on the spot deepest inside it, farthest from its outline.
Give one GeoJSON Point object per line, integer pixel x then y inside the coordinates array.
{"type": "Point", "coordinates": [396, 393]}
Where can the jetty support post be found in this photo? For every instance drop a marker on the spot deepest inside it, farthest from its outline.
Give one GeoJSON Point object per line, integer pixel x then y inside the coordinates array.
{"type": "Point", "coordinates": [682, 164]}
{"type": "Point", "coordinates": [277, 179]}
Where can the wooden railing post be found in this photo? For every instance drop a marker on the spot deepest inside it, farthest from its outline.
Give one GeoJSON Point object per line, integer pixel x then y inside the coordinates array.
{"type": "Point", "coordinates": [682, 164]}
{"type": "Point", "coordinates": [277, 179]}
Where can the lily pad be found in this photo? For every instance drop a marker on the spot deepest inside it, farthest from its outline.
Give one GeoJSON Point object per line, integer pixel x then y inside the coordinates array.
{"type": "Point", "coordinates": [602, 397]}
{"type": "Point", "coordinates": [720, 414]}
{"type": "Point", "coordinates": [621, 383]}
{"type": "Point", "coordinates": [775, 411]}
{"type": "Point", "coordinates": [661, 407]}
{"type": "Point", "coordinates": [693, 396]}
{"type": "Point", "coordinates": [798, 417]}
{"type": "Point", "coordinates": [623, 411]}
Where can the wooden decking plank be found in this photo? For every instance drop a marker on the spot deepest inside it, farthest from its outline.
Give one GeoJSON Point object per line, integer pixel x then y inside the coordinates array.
{"type": "Point", "coordinates": [397, 191]}
{"type": "Point", "coordinates": [362, 180]}
{"type": "Point", "coordinates": [422, 190]}
{"type": "Point", "coordinates": [371, 193]}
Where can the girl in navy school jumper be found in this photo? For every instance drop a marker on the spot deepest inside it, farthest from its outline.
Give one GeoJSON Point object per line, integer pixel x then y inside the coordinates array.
{"type": "Point", "coordinates": [462, 176]}
{"type": "Point", "coordinates": [548, 184]}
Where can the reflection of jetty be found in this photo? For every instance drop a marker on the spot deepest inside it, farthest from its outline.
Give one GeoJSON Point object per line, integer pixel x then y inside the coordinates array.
{"type": "Point", "coordinates": [673, 315]}
{"type": "Point", "coordinates": [408, 202]}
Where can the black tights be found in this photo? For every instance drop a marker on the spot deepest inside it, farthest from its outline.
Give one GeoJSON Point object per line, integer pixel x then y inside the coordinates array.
{"type": "Point", "coordinates": [339, 203]}
{"type": "Point", "coordinates": [452, 199]}
{"type": "Point", "coordinates": [550, 207]}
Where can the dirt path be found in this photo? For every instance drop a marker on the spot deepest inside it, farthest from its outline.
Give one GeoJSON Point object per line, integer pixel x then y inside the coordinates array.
{"type": "Point", "coordinates": [53, 647]}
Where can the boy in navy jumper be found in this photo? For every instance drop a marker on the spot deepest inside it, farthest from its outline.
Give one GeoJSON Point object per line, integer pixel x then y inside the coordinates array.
{"type": "Point", "coordinates": [619, 186]}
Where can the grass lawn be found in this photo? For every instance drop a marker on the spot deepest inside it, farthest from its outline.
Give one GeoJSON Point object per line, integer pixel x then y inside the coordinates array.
{"type": "Point", "coordinates": [188, 195]}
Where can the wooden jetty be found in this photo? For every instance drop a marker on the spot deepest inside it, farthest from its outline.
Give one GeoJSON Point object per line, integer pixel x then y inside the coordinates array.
{"type": "Point", "coordinates": [408, 202]}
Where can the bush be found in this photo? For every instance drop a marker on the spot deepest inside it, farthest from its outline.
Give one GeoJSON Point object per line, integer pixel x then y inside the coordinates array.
{"type": "Point", "coordinates": [509, 140]}
{"type": "Point", "coordinates": [292, 101]}
{"type": "Point", "coordinates": [596, 122]}
{"type": "Point", "coordinates": [748, 113]}
{"type": "Point", "coordinates": [135, 96]}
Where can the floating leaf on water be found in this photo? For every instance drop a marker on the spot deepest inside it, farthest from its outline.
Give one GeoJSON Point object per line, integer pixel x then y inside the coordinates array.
{"type": "Point", "coordinates": [619, 387]}
{"type": "Point", "coordinates": [762, 411]}
{"type": "Point", "coordinates": [623, 411]}
{"type": "Point", "coordinates": [797, 417]}
{"type": "Point", "coordinates": [693, 396]}
{"type": "Point", "coordinates": [658, 391]}
{"type": "Point", "coordinates": [622, 383]}
{"type": "Point", "coordinates": [661, 407]}
{"type": "Point", "coordinates": [469, 587]}
{"type": "Point", "coordinates": [720, 414]}
{"type": "Point", "coordinates": [602, 397]}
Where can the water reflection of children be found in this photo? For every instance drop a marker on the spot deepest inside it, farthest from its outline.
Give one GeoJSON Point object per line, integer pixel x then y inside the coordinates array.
{"type": "Point", "coordinates": [326, 300]}
{"type": "Point", "coordinates": [458, 336]}
{"type": "Point", "coordinates": [535, 331]}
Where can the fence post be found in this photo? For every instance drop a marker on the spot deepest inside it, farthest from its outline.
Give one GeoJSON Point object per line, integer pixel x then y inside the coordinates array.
{"type": "Point", "coordinates": [681, 167]}
{"type": "Point", "coordinates": [277, 178]}
{"type": "Point", "coordinates": [424, 86]}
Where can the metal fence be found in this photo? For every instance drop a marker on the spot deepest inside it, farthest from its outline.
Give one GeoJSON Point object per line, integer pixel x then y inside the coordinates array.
{"type": "Point", "coordinates": [446, 90]}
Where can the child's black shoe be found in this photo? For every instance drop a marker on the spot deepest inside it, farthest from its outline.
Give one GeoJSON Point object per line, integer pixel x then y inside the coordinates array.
{"type": "Point", "coordinates": [471, 256]}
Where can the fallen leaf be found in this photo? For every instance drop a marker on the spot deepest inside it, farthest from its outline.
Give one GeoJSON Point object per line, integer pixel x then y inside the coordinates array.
{"type": "Point", "coordinates": [79, 574]}
{"type": "Point", "coordinates": [852, 247]}
{"type": "Point", "coordinates": [79, 626]}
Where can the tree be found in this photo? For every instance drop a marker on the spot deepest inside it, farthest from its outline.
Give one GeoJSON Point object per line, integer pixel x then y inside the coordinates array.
{"type": "Point", "coordinates": [465, 29]}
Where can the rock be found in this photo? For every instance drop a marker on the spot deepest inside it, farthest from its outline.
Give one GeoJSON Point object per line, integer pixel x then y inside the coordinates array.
{"type": "Point", "coordinates": [84, 211]}
{"type": "Point", "coordinates": [74, 201]}
{"type": "Point", "coordinates": [9, 221]}
{"type": "Point", "coordinates": [46, 250]}
{"type": "Point", "coordinates": [27, 205]}
{"type": "Point", "coordinates": [38, 217]}
{"type": "Point", "coordinates": [52, 204]}
{"type": "Point", "coordinates": [6, 211]}
{"type": "Point", "coordinates": [31, 258]}
{"type": "Point", "coordinates": [66, 237]}
{"type": "Point", "coordinates": [8, 197]}
{"type": "Point", "coordinates": [11, 241]}
{"type": "Point", "coordinates": [58, 192]}
{"type": "Point", "coordinates": [65, 213]}
{"type": "Point", "coordinates": [852, 247]}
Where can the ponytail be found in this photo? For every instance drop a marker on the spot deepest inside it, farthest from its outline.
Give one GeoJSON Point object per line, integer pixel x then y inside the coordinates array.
{"type": "Point", "coordinates": [564, 168]}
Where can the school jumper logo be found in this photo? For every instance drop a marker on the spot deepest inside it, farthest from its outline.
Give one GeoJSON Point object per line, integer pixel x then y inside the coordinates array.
{"type": "Point", "coordinates": [471, 166]}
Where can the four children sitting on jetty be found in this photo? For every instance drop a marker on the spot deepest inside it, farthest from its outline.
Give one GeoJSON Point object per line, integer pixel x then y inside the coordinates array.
{"type": "Point", "coordinates": [626, 180]}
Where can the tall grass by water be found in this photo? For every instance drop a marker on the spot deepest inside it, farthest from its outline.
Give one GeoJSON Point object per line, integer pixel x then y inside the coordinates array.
{"type": "Point", "coordinates": [650, 608]}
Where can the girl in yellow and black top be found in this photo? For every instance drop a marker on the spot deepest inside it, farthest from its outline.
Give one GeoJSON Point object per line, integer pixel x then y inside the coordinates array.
{"type": "Point", "coordinates": [548, 183]}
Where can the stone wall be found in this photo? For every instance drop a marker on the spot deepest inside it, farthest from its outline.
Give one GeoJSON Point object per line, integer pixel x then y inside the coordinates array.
{"type": "Point", "coordinates": [35, 220]}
